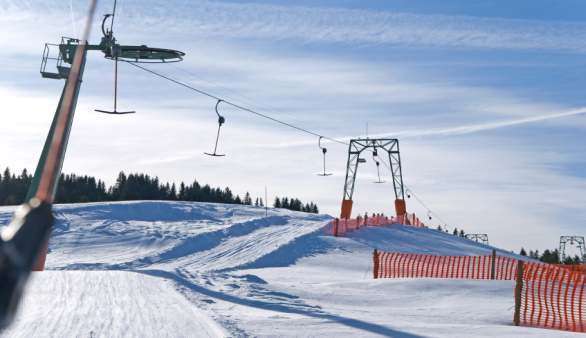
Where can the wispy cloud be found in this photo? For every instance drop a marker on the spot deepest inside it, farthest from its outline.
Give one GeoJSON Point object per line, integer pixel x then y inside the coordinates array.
{"type": "Point", "coordinates": [321, 24]}
{"type": "Point", "coordinates": [480, 127]}
{"type": "Point", "coordinates": [240, 49]}
{"type": "Point", "coordinates": [450, 131]}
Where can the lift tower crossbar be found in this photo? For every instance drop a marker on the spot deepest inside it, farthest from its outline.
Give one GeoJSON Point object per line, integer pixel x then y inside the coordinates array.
{"type": "Point", "coordinates": [480, 238]}
{"type": "Point", "coordinates": [356, 147]}
{"type": "Point", "coordinates": [573, 240]}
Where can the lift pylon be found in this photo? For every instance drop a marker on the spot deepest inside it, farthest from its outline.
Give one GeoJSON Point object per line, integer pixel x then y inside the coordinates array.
{"type": "Point", "coordinates": [70, 63]}
{"type": "Point", "coordinates": [355, 149]}
{"type": "Point", "coordinates": [480, 238]}
{"type": "Point", "coordinates": [573, 240]}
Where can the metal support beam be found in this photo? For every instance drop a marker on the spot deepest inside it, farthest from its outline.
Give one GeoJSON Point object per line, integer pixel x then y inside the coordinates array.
{"type": "Point", "coordinates": [23, 243]}
{"type": "Point", "coordinates": [480, 238]}
{"type": "Point", "coordinates": [355, 149]}
{"type": "Point", "coordinates": [62, 120]}
{"type": "Point", "coordinates": [572, 240]}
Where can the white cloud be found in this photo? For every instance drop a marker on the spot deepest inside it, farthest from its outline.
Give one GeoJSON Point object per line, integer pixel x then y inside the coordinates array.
{"type": "Point", "coordinates": [349, 26]}
{"type": "Point", "coordinates": [480, 127]}
{"type": "Point", "coordinates": [505, 190]}
{"type": "Point", "coordinates": [320, 24]}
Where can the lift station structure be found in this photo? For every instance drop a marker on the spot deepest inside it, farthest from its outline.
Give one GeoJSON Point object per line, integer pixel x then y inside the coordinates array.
{"type": "Point", "coordinates": [390, 148]}
{"type": "Point", "coordinates": [578, 241]}
{"type": "Point", "coordinates": [479, 238]}
{"type": "Point", "coordinates": [69, 59]}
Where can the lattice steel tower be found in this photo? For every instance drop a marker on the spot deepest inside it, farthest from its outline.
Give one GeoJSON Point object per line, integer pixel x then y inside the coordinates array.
{"type": "Point", "coordinates": [480, 238]}
{"type": "Point", "coordinates": [355, 149]}
{"type": "Point", "coordinates": [575, 240]}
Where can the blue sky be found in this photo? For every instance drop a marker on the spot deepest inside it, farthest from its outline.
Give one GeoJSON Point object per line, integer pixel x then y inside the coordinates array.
{"type": "Point", "coordinates": [486, 98]}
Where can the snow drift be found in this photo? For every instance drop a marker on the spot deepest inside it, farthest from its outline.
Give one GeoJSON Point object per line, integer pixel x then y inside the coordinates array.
{"type": "Point", "coordinates": [180, 269]}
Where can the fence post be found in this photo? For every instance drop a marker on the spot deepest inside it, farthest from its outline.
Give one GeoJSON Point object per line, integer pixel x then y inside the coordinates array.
{"type": "Point", "coordinates": [336, 224]}
{"type": "Point", "coordinates": [518, 291]}
{"type": "Point", "coordinates": [493, 265]}
{"type": "Point", "coordinates": [375, 261]}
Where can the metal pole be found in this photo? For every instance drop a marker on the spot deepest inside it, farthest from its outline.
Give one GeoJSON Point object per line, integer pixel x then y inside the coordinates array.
{"type": "Point", "coordinates": [115, 82]}
{"type": "Point", "coordinates": [493, 265]}
{"type": "Point", "coordinates": [24, 241]}
{"type": "Point", "coordinates": [518, 292]}
{"type": "Point", "coordinates": [375, 268]}
{"type": "Point", "coordinates": [266, 203]}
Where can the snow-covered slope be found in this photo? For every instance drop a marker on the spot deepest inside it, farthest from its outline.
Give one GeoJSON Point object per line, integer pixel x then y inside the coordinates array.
{"type": "Point", "coordinates": [212, 269]}
{"type": "Point", "coordinates": [108, 304]}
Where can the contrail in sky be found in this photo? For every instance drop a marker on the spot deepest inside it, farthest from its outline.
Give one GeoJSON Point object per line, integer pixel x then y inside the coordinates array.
{"type": "Point", "coordinates": [474, 128]}
{"type": "Point", "coordinates": [451, 131]}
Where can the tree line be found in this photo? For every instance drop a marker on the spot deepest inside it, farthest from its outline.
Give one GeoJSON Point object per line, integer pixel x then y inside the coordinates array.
{"type": "Point", "coordinates": [295, 205]}
{"type": "Point", "coordinates": [551, 256]}
{"type": "Point", "coordinates": [74, 188]}
{"type": "Point", "coordinates": [547, 256]}
{"type": "Point", "coordinates": [455, 232]}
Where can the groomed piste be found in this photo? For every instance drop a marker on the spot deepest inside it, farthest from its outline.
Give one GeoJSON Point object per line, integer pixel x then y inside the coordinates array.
{"type": "Point", "coordinates": [177, 269]}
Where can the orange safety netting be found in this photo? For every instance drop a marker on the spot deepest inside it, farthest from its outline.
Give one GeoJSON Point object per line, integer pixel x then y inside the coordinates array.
{"type": "Point", "coordinates": [404, 265]}
{"type": "Point", "coordinates": [339, 227]}
{"type": "Point", "coordinates": [574, 267]}
{"type": "Point", "coordinates": [552, 297]}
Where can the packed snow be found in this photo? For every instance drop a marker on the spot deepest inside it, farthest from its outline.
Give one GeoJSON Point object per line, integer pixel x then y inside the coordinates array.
{"type": "Point", "coordinates": [180, 269]}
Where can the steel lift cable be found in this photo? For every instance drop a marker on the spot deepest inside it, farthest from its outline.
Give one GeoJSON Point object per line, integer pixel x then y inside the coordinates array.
{"type": "Point", "coordinates": [72, 16]}
{"type": "Point", "coordinates": [268, 117]}
{"type": "Point", "coordinates": [228, 94]}
{"type": "Point", "coordinates": [24, 242]}
{"type": "Point", "coordinates": [410, 193]}
{"type": "Point", "coordinates": [235, 105]}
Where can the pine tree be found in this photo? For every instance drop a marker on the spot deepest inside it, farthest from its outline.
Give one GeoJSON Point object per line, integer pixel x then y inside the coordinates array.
{"type": "Point", "coordinates": [181, 196]}
{"type": "Point", "coordinates": [247, 199]}
{"type": "Point", "coordinates": [523, 252]}
{"type": "Point", "coordinates": [173, 194]}
{"type": "Point", "coordinates": [134, 186]}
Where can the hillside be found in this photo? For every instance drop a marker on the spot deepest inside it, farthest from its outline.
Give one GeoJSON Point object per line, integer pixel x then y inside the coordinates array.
{"type": "Point", "coordinates": [200, 269]}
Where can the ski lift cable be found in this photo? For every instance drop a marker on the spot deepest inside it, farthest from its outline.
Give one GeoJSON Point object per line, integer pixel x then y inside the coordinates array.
{"type": "Point", "coordinates": [227, 93]}
{"type": "Point", "coordinates": [113, 16]}
{"type": "Point", "coordinates": [235, 105]}
{"type": "Point", "coordinates": [265, 116]}
{"type": "Point", "coordinates": [72, 14]}
{"type": "Point", "coordinates": [418, 199]}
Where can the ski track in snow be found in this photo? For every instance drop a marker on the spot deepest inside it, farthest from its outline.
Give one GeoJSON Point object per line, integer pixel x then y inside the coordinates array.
{"type": "Point", "coordinates": [179, 269]}
{"type": "Point", "coordinates": [107, 304]}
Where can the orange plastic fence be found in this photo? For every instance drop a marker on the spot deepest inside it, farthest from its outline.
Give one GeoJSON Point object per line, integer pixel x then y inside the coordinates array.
{"type": "Point", "coordinates": [553, 297]}
{"type": "Point", "coordinates": [339, 227]}
{"type": "Point", "coordinates": [411, 219]}
{"type": "Point", "coordinates": [404, 265]}
{"type": "Point", "coordinates": [574, 267]}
